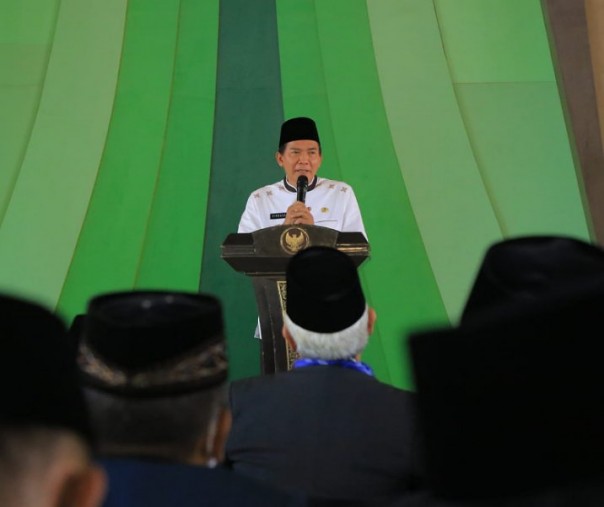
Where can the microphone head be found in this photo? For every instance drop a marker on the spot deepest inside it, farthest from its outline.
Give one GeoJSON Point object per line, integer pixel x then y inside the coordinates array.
{"type": "Point", "coordinates": [301, 186]}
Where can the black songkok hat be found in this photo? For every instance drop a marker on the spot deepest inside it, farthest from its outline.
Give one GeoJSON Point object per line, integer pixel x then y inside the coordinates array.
{"type": "Point", "coordinates": [526, 268]}
{"type": "Point", "coordinates": [299, 128]}
{"type": "Point", "coordinates": [324, 292]}
{"type": "Point", "coordinates": [153, 343]}
{"type": "Point", "coordinates": [38, 379]}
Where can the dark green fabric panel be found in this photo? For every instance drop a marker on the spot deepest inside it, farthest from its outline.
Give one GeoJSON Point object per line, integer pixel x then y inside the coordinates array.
{"type": "Point", "coordinates": [110, 244]}
{"type": "Point", "coordinates": [246, 132]}
{"type": "Point", "coordinates": [174, 241]}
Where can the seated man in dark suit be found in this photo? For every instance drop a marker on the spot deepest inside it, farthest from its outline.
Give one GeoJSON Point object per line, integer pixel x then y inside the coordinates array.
{"type": "Point", "coordinates": [155, 372]}
{"type": "Point", "coordinates": [327, 427]}
{"type": "Point", "coordinates": [45, 437]}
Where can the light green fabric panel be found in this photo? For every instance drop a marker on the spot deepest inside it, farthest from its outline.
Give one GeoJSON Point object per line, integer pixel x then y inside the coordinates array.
{"type": "Point", "coordinates": [173, 247]}
{"type": "Point", "coordinates": [494, 41]}
{"type": "Point", "coordinates": [500, 60]}
{"type": "Point", "coordinates": [450, 203]}
{"type": "Point", "coordinates": [111, 243]}
{"type": "Point", "coordinates": [45, 214]}
{"type": "Point", "coordinates": [520, 141]}
{"type": "Point", "coordinates": [26, 32]}
{"type": "Point", "coordinates": [341, 89]}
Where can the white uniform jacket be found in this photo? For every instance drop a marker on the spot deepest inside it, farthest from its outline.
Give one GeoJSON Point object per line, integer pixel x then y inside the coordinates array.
{"type": "Point", "coordinates": [332, 203]}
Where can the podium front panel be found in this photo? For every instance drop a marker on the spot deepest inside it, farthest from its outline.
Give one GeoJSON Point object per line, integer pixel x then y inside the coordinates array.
{"type": "Point", "coordinates": [263, 255]}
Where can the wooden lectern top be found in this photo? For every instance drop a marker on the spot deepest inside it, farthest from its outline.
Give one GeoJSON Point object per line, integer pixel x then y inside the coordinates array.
{"type": "Point", "coordinates": [267, 251]}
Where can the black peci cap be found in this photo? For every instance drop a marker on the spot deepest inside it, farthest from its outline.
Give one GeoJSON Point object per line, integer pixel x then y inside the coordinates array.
{"type": "Point", "coordinates": [530, 267]}
{"type": "Point", "coordinates": [299, 128]}
{"type": "Point", "coordinates": [324, 292]}
{"type": "Point", "coordinates": [146, 343]}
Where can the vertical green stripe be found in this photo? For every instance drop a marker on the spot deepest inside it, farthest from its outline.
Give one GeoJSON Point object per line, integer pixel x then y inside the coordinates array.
{"type": "Point", "coordinates": [343, 90]}
{"type": "Point", "coordinates": [109, 248]}
{"type": "Point", "coordinates": [26, 35]}
{"type": "Point", "coordinates": [445, 185]}
{"type": "Point", "coordinates": [302, 73]}
{"type": "Point", "coordinates": [508, 96]}
{"type": "Point", "coordinates": [174, 241]}
{"type": "Point", "coordinates": [502, 39]}
{"type": "Point", "coordinates": [521, 143]}
{"type": "Point", "coordinates": [42, 223]}
{"type": "Point", "coordinates": [246, 132]}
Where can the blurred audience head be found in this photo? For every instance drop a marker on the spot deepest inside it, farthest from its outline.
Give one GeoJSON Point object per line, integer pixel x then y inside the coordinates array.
{"type": "Point", "coordinates": [326, 315]}
{"type": "Point", "coordinates": [526, 268]}
{"type": "Point", "coordinates": [155, 369]}
{"type": "Point", "coordinates": [512, 400]}
{"type": "Point", "coordinates": [45, 437]}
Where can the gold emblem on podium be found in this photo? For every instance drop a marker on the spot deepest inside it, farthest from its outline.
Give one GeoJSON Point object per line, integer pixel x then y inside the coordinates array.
{"type": "Point", "coordinates": [294, 239]}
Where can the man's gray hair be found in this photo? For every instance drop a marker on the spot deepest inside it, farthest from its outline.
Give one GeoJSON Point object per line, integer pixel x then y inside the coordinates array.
{"type": "Point", "coordinates": [339, 345]}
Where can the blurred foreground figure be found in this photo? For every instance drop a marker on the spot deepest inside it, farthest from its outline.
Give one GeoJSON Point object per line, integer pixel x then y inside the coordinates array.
{"type": "Point", "coordinates": [512, 399]}
{"type": "Point", "coordinates": [525, 269]}
{"type": "Point", "coordinates": [155, 368]}
{"type": "Point", "coordinates": [45, 437]}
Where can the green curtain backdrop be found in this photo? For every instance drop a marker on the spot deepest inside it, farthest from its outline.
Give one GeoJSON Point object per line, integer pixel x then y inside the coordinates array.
{"type": "Point", "coordinates": [132, 132]}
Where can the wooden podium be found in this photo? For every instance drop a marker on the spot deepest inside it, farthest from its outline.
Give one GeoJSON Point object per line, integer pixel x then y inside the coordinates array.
{"type": "Point", "coordinates": [263, 255]}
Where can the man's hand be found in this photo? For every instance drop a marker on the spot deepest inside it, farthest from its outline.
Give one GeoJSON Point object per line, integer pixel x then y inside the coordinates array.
{"type": "Point", "coordinates": [298, 213]}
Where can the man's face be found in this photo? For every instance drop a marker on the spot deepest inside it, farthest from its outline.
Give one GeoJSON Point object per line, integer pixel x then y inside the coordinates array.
{"type": "Point", "coordinates": [300, 158]}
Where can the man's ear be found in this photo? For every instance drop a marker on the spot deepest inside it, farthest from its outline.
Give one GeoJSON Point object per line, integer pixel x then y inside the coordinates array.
{"type": "Point", "coordinates": [289, 339]}
{"type": "Point", "coordinates": [371, 318]}
{"type": "Point", "coordinates": [279, 158]}
{"type": "Point", "coordinates": [223, 427]}
{"type": "Point", "coordinates": [87, 489]}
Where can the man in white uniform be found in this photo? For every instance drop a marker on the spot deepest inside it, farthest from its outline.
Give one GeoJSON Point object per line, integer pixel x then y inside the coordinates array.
{"type": "Point", "coordinates": [328, 203]}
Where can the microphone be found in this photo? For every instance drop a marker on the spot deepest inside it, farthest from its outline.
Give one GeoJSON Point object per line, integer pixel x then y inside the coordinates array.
{"type": "Point", "coordinates": [301, 187]}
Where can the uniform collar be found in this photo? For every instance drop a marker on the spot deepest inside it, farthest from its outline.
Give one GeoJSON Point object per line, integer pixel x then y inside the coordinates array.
{"type": "Point", "coordinates": [289, 188]}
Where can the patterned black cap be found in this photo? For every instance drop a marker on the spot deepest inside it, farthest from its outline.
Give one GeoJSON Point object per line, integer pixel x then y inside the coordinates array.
{"type": "Point", "coordinates": [324, 292]}
{"type": "Point", "coordinates": [147, 343]}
